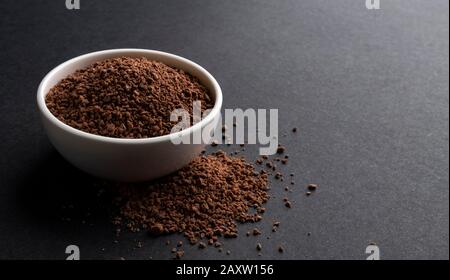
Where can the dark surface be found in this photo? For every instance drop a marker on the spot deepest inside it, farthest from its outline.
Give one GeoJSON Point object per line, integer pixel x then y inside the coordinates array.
{"type": "Point", "coordinates": [367, 89]}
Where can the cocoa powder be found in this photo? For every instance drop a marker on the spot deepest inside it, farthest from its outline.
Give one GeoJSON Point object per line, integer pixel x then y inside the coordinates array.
{"type": "Point", "coordinates": [202, 200]}
{"type": "Point", "coordinates": [125, 97]}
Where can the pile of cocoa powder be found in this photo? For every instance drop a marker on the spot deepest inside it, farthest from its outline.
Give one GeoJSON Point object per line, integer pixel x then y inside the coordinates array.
{"type": "Point", "coordinates": [126, 97]}
{"type": "Point", "coordinates": [203, 200]}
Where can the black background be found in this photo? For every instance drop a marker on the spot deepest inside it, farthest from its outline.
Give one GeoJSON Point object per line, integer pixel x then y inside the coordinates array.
{"type": "Point", "coordinates": [367, 90]}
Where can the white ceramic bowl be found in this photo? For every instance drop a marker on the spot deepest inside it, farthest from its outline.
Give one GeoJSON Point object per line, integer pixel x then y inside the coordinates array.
{"type": "Point", "coordinates": [121, 159]}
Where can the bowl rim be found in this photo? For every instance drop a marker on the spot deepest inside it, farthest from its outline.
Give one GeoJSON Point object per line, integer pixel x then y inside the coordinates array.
{"type": "Point", "coordinates": [157, 139]}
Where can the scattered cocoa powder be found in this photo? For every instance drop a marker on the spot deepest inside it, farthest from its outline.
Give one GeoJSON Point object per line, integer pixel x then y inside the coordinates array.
{"type": "Point", "coordinates": [125, 97]}
{"type": "Point", "coordinates": [202, 200]}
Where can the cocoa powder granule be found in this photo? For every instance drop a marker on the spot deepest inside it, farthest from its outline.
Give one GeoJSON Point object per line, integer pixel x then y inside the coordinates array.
{"type": "Point", "coordinates": [312, 187]}
{"type": "Point", "coordinates": [179, 254]}
{"type": "Point", "coordinates": [258, 246]}
{"type": "Point", "coordinates": [202, 200]}
{"type": "Point", "coordinates": [125, 97]}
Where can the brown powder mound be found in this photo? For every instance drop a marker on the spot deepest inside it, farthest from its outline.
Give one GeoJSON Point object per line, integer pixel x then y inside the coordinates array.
{"type": "Point", "coordinates": [125, 97]}
{"type": "Point", "coordinates": [203, 200]}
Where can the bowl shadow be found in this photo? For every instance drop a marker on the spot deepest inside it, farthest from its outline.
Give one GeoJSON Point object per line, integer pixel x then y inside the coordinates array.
{"type": "Point", "coordinates": [55, 193]}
